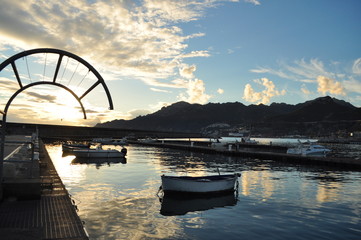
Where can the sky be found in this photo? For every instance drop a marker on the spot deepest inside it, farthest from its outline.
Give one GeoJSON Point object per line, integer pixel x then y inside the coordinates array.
{"type": "Point", "coordinates": [153, 53]}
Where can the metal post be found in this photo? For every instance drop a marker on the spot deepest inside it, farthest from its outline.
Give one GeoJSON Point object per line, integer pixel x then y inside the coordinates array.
{"type": "Point", "coordinates": [2, 150]}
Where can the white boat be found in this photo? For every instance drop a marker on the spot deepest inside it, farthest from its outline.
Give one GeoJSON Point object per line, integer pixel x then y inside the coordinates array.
{"type": "Point", "coordinates": [69, 147]}
{"type": "Point", "coordinates": [309, 149]}
{"type": "Point", "coordinates": [217, 144]}
{"type": "Point", "coordinates": [110, 141]}
{"type": "Point", "coordinates": [99, 153]}
{"type": "Point", "coordinates": [205, 184]}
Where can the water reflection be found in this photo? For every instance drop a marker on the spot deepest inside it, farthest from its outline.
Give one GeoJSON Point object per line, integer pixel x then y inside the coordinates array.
{"type": "Point", "coordinates": [177, 204]}
{"type": "Point", "coordinates": [285, 200]}
{"type": "Point", "coordinates": [128, 218]}
{"type": "Point", "coordinates": [329, 187]}
{"type": "Point", "coordinates": [67, 173]}
{"type": "Point", "coordinates": [329, 192]}
{"type": "Point", "coordinates": [98, 161]}
{"type": "Point", "coordinates": [258, 181]}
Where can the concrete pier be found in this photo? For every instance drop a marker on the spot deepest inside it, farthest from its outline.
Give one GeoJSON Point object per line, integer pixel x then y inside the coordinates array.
{"type": "Point", "coordinates": [44, 213]}
{"type": "Point", "coordinates": [266, 152]}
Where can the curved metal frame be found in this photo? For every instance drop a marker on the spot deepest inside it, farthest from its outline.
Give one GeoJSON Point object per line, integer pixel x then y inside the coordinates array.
{"type": "Point", "coordinates": [61, 54]}
{"type": "Point", "coordinates": [42, 83]}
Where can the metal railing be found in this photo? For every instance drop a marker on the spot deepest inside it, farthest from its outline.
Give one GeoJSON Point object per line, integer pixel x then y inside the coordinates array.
{"type": "Point", "coordinates": [23, 154]}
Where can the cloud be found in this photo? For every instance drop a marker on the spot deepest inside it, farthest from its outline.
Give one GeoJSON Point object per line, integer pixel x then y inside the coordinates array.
{"type": "Point", "coordinates": [324, 75]}
{"type": "Point", "coordinates": [264, 97]}
{"type": "Point", "coordinates": [255, 2]}
{"type": "Point", "coordinates": [278, 73]}
{"type": "Point", "coordinates": [188, 71]}
{"type": "Point", "coordinates": [159, 105]}
{"type": "Point", "coordinates": [230, 51]}
{"type": "Point", "coordinates": [305, 90]}
{"type": "Point", "coordinates": [220, 91]}
{"type": "Point", "coordinates": [174, 10]}
{"type": "Point", "coordinates": [128, 39]}
{"type": "Point", "coordinates": [134, 39]}
{"type": "Point", "coordinates": [8, 87]}
{"type": "Point", "coordinates": [159, 90]}
{"type": "Point", "coordinates": [356, 68]}
{"type": "Point", "coordinates": [192, 54]}
{"type": "Point", "coordinates": [137, 113]}
{"type": "Point", "coordinates": [329, 85]}
{"type": "Point", "coordinates": [195, 92]}
{"type": "Point", "coordinates": [41, 97]}
{"type": "Point", "coordinates": [36, 105]}
{"type": "Point", "coordinates": [352, 85]}
{"type": "Point", "coordinates": [301, 70]}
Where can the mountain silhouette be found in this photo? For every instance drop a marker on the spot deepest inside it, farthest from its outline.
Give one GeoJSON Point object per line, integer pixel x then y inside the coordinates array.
{"type": "Point", "coordinates": [186, 117]}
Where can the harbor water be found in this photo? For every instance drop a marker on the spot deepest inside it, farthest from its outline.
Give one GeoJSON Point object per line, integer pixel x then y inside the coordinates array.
{"type": "Point", "coordinates": [119, 200]}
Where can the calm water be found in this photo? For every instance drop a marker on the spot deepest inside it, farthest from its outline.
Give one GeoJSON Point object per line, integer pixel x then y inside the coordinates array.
{"type": "Point", "coordinates": [274, 201]}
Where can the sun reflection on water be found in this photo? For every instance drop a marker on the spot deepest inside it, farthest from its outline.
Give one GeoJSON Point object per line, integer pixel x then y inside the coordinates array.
{"type": "Point", "coordinates": [70, 174]}
{"type": "Point", "coordinates": [125, 217]}
{"type": "Point", "coordinates": [252, 182]}
{"type": "Point", "coordinates": [120, 201]}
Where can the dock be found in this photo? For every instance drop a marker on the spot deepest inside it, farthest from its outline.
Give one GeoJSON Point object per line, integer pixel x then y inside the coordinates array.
{"type": "Point", "coordinates": [259, 151]}
{"type": "Point", "coordinates": [37, 205]}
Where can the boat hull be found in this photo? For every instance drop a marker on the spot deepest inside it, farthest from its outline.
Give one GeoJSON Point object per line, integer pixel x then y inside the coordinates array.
{"type": "Point", "coordinates": [200, 185]}
{"type": "Point", "coordinates": [90, 153]}
{"type": "Point", "coordinates": [312, 151]}
{"type": "Point", "coordinates": [98, 161]}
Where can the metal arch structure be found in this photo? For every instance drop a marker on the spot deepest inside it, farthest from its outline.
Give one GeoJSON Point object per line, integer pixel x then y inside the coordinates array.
{"type": "Point", "coordinates": [61, 53]}
{"type": "Point", "coordinates": [42, 83]}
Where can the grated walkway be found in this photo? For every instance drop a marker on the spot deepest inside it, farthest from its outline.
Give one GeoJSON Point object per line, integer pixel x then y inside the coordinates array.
{"type": "Point", "coordinates": [53, 216]}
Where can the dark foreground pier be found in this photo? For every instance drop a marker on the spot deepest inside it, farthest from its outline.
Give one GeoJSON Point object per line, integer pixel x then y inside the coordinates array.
{"type": "Point", "coordinates": [46, 211]}
{"type": "Point", "coordinates": [265, 152]}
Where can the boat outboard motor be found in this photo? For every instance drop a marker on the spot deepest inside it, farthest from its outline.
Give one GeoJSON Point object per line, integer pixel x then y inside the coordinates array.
{"type": "Point", "coordinates": [124, 150]}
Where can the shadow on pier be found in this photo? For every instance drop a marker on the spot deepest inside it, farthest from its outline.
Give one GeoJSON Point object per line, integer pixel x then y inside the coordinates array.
{"type": "Point", "coordinates": [36, 204]}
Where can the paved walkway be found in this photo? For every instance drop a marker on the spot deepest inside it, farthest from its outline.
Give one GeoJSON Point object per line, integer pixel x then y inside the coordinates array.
{"type": "Point", "coordinates": [53, 216]}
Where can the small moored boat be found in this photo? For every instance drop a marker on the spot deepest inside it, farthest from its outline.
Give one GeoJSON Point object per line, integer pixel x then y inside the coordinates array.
{"type": "Point", "coordinates": [98, 161]}
{"type": "Point", "coordinates": [200, 185]}
{"type": "Point", "coordinates": [99, 153]}
{"type": "Point", "coordinates": [69, 147]}
{"type": "Point", "coordinates": [110, 141]}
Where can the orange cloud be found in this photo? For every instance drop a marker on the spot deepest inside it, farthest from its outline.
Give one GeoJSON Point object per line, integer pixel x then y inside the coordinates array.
{"type": "Point", "coordinates": [329, 85]}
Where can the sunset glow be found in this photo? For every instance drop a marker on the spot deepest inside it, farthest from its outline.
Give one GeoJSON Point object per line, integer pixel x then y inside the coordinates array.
{"type": "Point", "coordinates": [155, 53]}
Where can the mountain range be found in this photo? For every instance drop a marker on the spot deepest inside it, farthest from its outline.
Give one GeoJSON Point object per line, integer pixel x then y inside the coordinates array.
{"type": "Point", "coordinates": [186, 117]}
